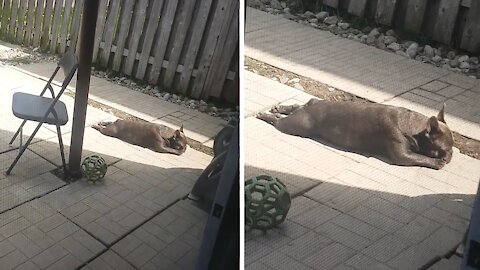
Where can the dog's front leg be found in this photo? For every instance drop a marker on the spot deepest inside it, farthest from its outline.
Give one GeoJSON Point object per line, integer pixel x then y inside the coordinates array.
{"type": "Point", "coordinates": [172, 151]}
{"type": "Point", "coordinates": [401, 154]}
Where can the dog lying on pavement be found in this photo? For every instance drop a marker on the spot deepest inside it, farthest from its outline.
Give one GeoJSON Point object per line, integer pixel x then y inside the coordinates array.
{"type": "Point", "coordinates": [405, 137]}
{"type": "Point", "coordinates": [156, 137]}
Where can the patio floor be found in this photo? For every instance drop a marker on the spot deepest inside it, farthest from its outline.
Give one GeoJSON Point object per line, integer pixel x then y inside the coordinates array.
{"type": "Point", "coordinates": [349, 211]}
{"type": "Point", "coordinates": [137, 218]}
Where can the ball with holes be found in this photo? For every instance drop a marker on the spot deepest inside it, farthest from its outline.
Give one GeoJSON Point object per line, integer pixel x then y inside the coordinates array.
{"type": "Point", "coordinates": [94, 168]}
{"type": "Point", "coordinates": [267, 202]}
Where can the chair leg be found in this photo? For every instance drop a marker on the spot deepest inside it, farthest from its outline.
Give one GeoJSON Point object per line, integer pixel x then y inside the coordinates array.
{"type": "Point", "coordinates": [19, 130]}
{"type": "Point", "coordinates": [22, 149]}
{"type": "Point", "coordinates": [62, 154]}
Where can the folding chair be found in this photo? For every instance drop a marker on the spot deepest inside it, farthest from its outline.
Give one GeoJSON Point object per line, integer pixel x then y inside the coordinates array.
{"type": "Point", "coordinates": [42, 109]}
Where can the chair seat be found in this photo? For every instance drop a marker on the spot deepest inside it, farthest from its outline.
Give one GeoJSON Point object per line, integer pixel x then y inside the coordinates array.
{"type": "Point", "coordinates": [32, 107]}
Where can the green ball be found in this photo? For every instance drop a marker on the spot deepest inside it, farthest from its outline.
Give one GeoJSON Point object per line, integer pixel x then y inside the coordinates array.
{"type": "Point", "coordinates": [94, 168]}
{"type": "Point", "coordinates": [267, 202]}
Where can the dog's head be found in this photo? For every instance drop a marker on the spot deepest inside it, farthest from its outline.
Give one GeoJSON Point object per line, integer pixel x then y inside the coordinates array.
{"type": "Point", "coordinates": [436, 140]}
{"type": "Point", "coordinates": [178, 141]}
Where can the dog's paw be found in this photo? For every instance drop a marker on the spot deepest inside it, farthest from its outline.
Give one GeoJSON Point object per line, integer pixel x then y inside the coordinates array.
{"type": "Point", "coordinates": [262, 115]}
{"type": "Point", "coordinates": [267, 117]}
{"type": "Point", "coordinates": [439, 163]}
{"type": "Point", "coordinates": [275, 109]}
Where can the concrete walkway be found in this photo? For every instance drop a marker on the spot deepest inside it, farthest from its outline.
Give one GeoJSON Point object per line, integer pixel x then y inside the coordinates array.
{"type": "Point", "coordinates": [350, 211]}
{"type": "Point", "coordinates": [198, 126]}
{"type": "Point", "coordinates": [362, 70]}
{"type": "Point", "coordinates": [137, 218]}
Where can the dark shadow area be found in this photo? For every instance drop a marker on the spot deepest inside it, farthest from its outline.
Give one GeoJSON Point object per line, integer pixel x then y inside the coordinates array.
{"type": "Point", "coordinates": [146, 190]}
{"type": "Point", "coordinates": [325, 215]}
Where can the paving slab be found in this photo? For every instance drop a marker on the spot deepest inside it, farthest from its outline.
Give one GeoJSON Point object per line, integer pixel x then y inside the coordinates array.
{"type": "Point", "coordinates": [362, 70]}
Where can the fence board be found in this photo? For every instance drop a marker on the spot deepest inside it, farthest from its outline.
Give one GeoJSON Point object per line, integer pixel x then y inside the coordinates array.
{"type": "Point", "coordinates": [173, 40]}
{"type": "Point", "coordinates": [357, 7]}
{"type": "Point", "coordinates": [152, 26]}
{"type": "Point", "coordinates": [215, 37]}
{"type": "Point", "coordinates": [344, 4]}
{"type": "Point", "coordinates": [37, 27]}
{"type": "Point", "coordinates": [46, 25]}
{"type": "Point", "coordinates": [21, 22]}
{"type": "Point", "coordinates": [331, 3]}
{"type": "Point", "coordinates": [162, 41]}
{"type": "Point", "coordinates": [109, 31]}
{"type": "Point", "coordinates": [138, 20]}
{"type": "Point", "coordinates": [13, 19]}
{"type": "Point", "coordinates": [56, 25]}
{"type": "Point", "coordinates": [414, 16]}
{"type": "Point", "coordinates": [30, 17]}
{"type": "Point", "coordinates": [220, 66]}
{"type": "Point", "coordinates": [65, 25]}
{"type": "Point", "coordinates": [471, 34]}
{"type": "Point", "coordinates": [193, 46]}
{"type": "Point", "coordinates": [445, 23]}
{"type": "Point", "coordinates": [184, 19]}
{"type": "Point", "coordinates": [6, 17]}
{"type": "Point", "coordinates": [125, 20]}
{"type": "Point", "coordinates": [75, 28]}
{"type": "Point", "coordinates": [102, 10]}
{"type": "Point", "coordinates": [385, 11]}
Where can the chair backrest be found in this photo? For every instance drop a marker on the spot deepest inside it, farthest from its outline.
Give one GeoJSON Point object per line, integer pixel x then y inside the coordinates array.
{"type": "Point", "coordinates": [68, 63]}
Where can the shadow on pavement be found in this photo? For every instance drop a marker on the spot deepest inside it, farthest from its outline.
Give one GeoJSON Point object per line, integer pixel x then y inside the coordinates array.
{"type": "Point", "coordinates": [332, 224]}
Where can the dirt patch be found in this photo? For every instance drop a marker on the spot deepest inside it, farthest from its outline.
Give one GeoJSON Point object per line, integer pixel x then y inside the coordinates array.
{"type": "Point", "coordinates": [467, 146]}
{"type": "Point", "coordinates": [307, 85]}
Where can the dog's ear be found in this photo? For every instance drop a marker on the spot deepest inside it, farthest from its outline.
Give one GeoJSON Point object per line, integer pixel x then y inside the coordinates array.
{"type": "Point", "coordinates": [441, 114]}
{"type": "Point", "coordinates": [432, 125]}
{"type": "Point", "coordinates": [413, 143]}
{"type": "Point", "coordinates": [181, 129]}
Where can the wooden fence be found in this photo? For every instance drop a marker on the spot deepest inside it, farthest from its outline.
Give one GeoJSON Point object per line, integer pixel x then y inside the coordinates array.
{"type": "Point", "coordinates": [185, 46]}
{"type": "Point", "coordinates": [451, 22]}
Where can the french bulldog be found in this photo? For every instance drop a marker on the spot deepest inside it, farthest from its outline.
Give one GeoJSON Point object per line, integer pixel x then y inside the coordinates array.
{"type": "Point", "coordinates": [403, 136]}
{"type": "Point", "coordinates": [156, 137]}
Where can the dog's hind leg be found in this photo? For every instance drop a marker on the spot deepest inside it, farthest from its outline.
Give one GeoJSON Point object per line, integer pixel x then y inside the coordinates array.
{"type": "Point", "coordinates": [107, 128]}
{"type": "Point", "coordinates": [272, 119]}
{"type": "Point", "coordinates": [285, 109]}
{"type": "Point", "coordinates": [102, 125]}
{"type": "Point", "coordinates": [299, 123]}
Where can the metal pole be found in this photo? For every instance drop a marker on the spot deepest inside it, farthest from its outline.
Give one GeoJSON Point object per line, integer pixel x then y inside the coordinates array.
{"type": "Point", "coordinates": [87, 36]}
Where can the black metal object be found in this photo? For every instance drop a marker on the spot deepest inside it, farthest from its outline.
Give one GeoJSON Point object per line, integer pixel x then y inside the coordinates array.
{"type": "Point", "coordinates": [471, 254]}
{"type": "Point", "coordinates": [44, 110]}
{"type": "Point", "coordinates": [222, 140]}
{"type": "Point", "coordinates": [220, 248]}
{"type": "Point", "coordinates": [205, 187]}
{"type": "Point", "coordinates": [87, 36]}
